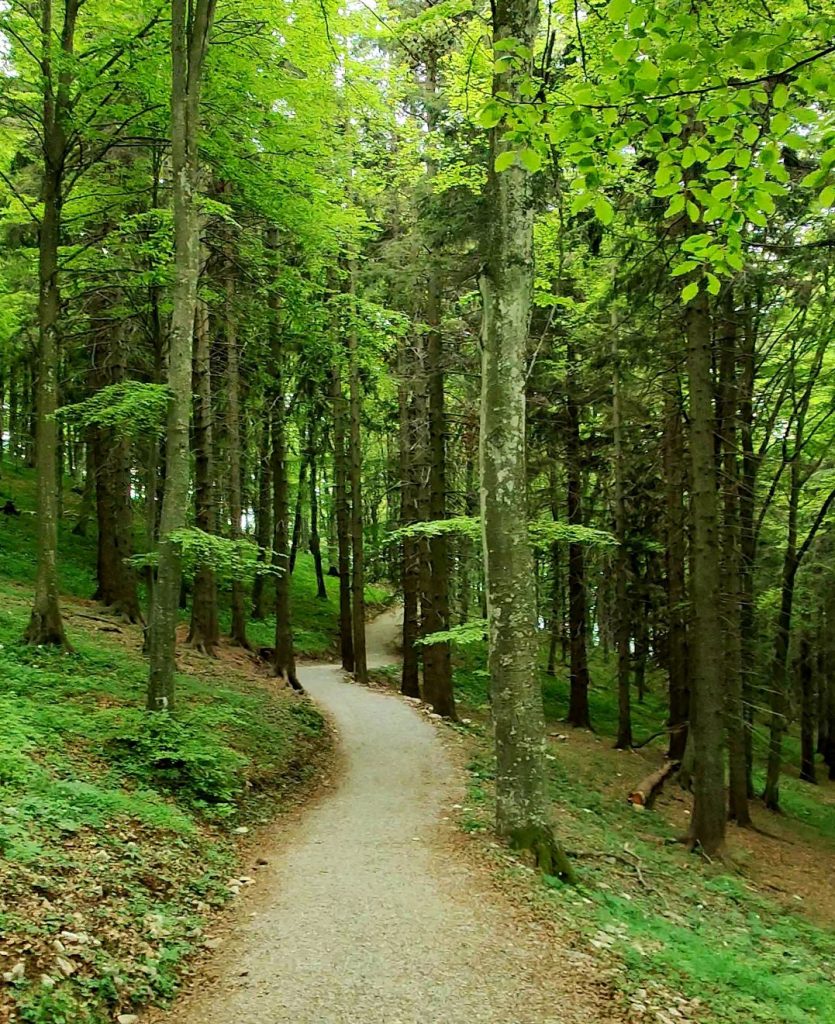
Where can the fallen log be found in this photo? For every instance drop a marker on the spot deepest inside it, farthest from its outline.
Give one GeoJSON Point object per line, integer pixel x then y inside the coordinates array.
{"type": "Point", "coordinates": [648, 789]}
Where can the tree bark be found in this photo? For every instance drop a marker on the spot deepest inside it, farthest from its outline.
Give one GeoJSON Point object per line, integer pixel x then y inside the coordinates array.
{"type": "Point", "coordinates": [190, 28]}
{"type": "Point", "coordinates": [506, 282]}
{"type": "Point", "coordinates": [808, 709]}
{"type": "Point", "coordinates": [263, 521]}
{"type": "Point", "coordinates": [622, 613]}
{"type": "Point", "coordinates": [111, 464]}
{"type": "Point", "coordinates": [410, 567]}
{"type": "Point", "coordinates": [46, 626]}
{"type": "Point", "coordinates": [355, 471]}
{"type": "Point", "coordinates": [204, 634]}
{"type": "Point", "coordinates": [314, 543]}
{"type": "Point", "coordinates": [437, 658]}
{"type": "Point", "coordinates": [343, 521]}
{"type": "Point", "coordinates": [237, 630]}
{"type": "Point", "coordinates": [731, 568]}
{"type": "Point", "coordinates": [707, 697]}
{"type": "Point", "coordinates": [284, 661]}
{"type": "Point", "coordinates": [578, 706]}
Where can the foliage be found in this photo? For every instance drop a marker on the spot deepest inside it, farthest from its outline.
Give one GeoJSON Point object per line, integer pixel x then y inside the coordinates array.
{"type": "Point", "coordinates": [130, 408]}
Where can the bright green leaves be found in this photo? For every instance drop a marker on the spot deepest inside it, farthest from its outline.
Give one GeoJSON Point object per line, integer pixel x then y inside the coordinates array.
{"type": "Point", "coordinates": [618, 9]}
{"type": "Point", "coordinates": [491, 114]}
{"type": "Point", "coordinates": [690, 291]}
{"type": "Point", "coordinates": [603, 210]}
{"type": "Point", "coordinates": [526, 157]}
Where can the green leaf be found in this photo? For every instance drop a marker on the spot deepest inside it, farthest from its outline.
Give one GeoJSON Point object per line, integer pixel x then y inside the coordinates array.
{"type": "Point", "coordinates": [618, 9]}
{"type": "Point", "coordinates": [689, 291]}
{"type": "Point", "coordinates": [603, 210]}
{"type": "Point", "coordinates": [723, 190]}
{"type": "Point", "coordinates": [685, 268]}
{"type": "Point", "coordinates": [827, 197]}
{"type": "Point", "coordinates": [780, 123]}
{"type": "Point", "coordinates": [505, 160]}
{"type": "Point", "coordinates": [530, 159]}
{"type": "Point", "coordinates": [780, 96]}
{"type": "Point", "coordinates": [490, 114]}
{"type": "Point", "coordinates": [713, 285]}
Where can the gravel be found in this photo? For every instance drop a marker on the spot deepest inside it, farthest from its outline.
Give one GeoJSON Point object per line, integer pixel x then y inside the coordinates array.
{"type": "Point", "coordinates": [367, 915]}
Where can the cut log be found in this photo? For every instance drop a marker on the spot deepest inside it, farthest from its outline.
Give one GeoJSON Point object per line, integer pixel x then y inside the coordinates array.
{"type": "Point", "coordinates": [646, 792]}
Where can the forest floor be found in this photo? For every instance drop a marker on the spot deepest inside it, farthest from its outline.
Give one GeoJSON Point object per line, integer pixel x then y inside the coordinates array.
{"type": "Point", "coordinates": [376, 909]}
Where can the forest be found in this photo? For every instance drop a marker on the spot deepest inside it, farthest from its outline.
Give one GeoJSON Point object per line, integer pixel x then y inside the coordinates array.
{"type": "Point", "coordinates": [482, 355]}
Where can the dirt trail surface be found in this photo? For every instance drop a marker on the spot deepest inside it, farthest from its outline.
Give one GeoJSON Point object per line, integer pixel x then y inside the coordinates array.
{"type": "Point", "coordinates": [368, 915]}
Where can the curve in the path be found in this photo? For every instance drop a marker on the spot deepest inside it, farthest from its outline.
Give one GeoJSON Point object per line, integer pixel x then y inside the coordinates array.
{"type": "Point", "coordinates": [366, 916]}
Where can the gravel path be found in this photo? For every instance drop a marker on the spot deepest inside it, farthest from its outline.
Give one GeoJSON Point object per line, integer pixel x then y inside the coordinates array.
{"type": "Point", "coordinates": [367, 915]}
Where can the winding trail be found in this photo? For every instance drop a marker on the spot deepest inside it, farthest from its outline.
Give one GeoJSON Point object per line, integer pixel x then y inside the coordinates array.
{"type": "Point", "coordinates": [368, 914]}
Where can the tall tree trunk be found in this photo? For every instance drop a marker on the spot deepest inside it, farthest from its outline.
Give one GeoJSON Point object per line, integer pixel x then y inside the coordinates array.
{"type": "Point", "coordinates": [314, 543]}
{"type": "Point", "coordinates": [622, 613]}
{"type": "Point", "coordinates": [808, 709]}
{"type": "Point", "coordinates": [343, 521]}
{"type": "Point", "coordinates": [506, 282]}
{"type": "Point", "coordinates": [578, 704]}
{"type": "Point", "coordinates": [410, 567]}
{"type": "Point", "coordinates": [298, 513]}
{"type": "Point", "coordinates": [284, 661]}
{"type": "Point", "coordinates": [190, 28]}
{"type": "Point", "coordinates": [780, 659]}
{"type": "Point", "coordinates": [355, 470]}
{"type": "Point", "coordinates": [204, 634]}
{"type": "Point", "coordinates": [263, 521]}
{"type": "Point", "coordinates": [731, 566]}
{"type": "Point", "coordinates": [707, 698]}
{"type": "Point", "coordinates": [237, 630]}
{"type": "Point", "coordinates": [111, 463]}
{"type": "Point", "coordinates": [437, 659]}
{"type": "Point", "coordinates": [747, 531]}
{"type": "Point", "coordinates": [45, 624]}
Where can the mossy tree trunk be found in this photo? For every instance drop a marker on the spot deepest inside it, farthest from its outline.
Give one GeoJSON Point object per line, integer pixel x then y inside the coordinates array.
{"type": "Point", "coordinates": [522, 811]}
{"type": "Point", "coordinates": [190, 28]}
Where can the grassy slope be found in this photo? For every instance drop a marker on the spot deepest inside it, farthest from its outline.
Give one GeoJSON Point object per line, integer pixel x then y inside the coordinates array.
{"type": "Point", "coordinates": [731, 941]}
{"type": "Point", "coordinates": [118, 832]}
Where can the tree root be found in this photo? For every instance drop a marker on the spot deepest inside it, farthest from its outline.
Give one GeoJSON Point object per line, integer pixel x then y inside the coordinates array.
{"type": "Point", "coordinates": [548, 855]}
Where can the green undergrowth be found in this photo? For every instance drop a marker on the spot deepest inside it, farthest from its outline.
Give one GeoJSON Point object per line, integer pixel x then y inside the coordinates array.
{"type": "Point", "coordinates": [315, 621]}
{"type": "Point", "coordinates": [121, 830]}
{"type": "Point", "coordinates": [676, 931]}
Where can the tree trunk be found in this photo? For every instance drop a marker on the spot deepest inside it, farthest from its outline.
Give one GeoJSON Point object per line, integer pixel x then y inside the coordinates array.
{"type": "Point", "coordinates": [111, 463]}
{"type": "Point", "coordinates": [522, 812]}
{"type": "Point", "coordinates": [46, 627]}
{"type": "Point", "coordinates": [204, 634]}
{"type": "Point", "coordinates": [343, 521]}
{"type": "Point", "coordinates": [263, 521]}
{"type": "Point", "coordinates": [731, 565]}
{"type": "Point", "coordinates": [355, 470]}
{"type": "Point", "coordinates": [315, 543]}
{"type": "Point", "coordinates": [578, 705]}
{"type": "Point", "coordinates": [190, 28]}
{"type": "Point", "coordinates": [284, 662]}
{"type": "Point", "coordinates": [297, 515]}
{"type": "Point", "coordinates": [437, 659]}
{"type": "Point", "coordinates": [622, 613]}
{"type": "Point", "coordinates": [410, 567]}
{"type": "Point", "coordinates": [748, 533]}
{"type": "Point", "coordinates": [808, 710]}
{"type": "Point", "coordinates": [707, 697]}
{"type": "Point", "coordinates": [237, 630]}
